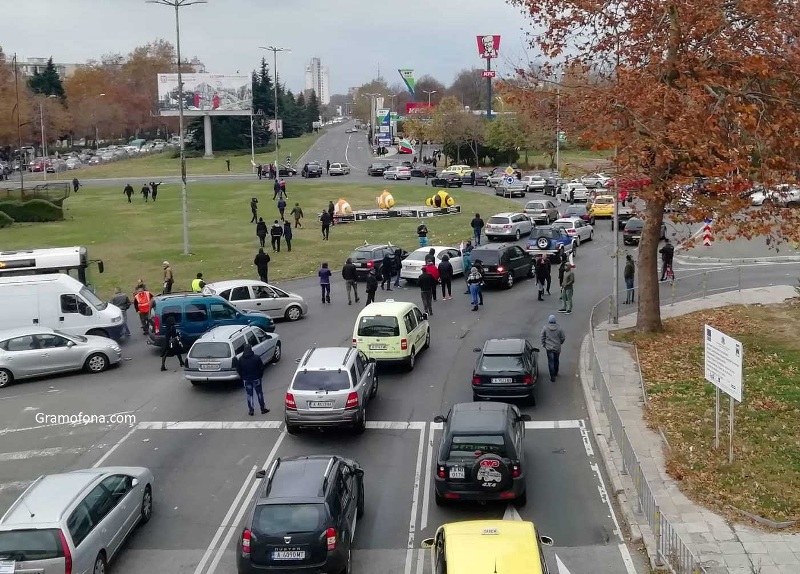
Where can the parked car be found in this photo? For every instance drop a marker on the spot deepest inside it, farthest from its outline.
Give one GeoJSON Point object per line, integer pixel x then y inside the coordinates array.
{"type": "Point", "coordinates": [214, 355]}
{"type": "Point", "coordinates": [369, 257]}
{"type": "Point", "coordinates": [551, 241]}
{"type": "Point", "coordinates": [541, 211]}
{"type": "Point", "coordinates": [423, 170]}
{"type": "Point", "coordinates": [249, 295]}
{"type": "Point", "coordinates": [576, 227]}
{"type": "Point", "coordinates": [286, 171]}
{"type": "Point", "coordinates": [397, 172]}
{"type": "Point", "coordinates": [312, 169]}
{"type": "Point", "coordinates": [534, 183]}
{"type": "Point", "coordinates": [515, 188]}
{"type": "Point", "coordinates": [508, 226]}
{"type": "Point", "coordinates": [506, 369]}
{"type": "Point", "coordinates": [412, 265]}
{"type": "Point", "coordinates": [446, 179]}
{"type": "Point", "coordinates": [376, 169]}
{"type": "Point", "coordinates": [339, 169]}
{"type": "Point", "coordinates": [503, 264]}
{"type": "Point", "coordinates": [632, 232]}
{"type": "Point", "coordinates": [595, 180]}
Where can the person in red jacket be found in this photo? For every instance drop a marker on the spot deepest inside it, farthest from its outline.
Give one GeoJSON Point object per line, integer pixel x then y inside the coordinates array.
{"type": "Point", "coordinates": [432, 269]}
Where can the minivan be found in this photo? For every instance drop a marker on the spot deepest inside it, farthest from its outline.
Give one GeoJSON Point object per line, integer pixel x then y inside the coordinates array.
{"type": "Point", "coordinates": [392, 332]}
{"type": "Point", "coordinates": [195, 313]}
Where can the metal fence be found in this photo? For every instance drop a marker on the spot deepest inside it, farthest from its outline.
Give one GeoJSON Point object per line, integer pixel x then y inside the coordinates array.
{"type": "Point", "coordinates": [54, 192]}
{"type": "Point", "coordinates": [671, 551]}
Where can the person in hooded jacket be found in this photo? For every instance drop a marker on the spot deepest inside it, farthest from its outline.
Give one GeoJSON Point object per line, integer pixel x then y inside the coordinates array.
{"type": "Point", "coordinates": [542, 267]}
{"type": "Point", "coordinates": [446, 277]}
{"type": "Point", "coordinates": [430, 257]}
{"type": "Point", "coordinates": [427, 287]}
{"type": "Point", "coordinates": [261, 231]}
{"type": "Point", "coordinates": [275, 233]}
{"type": "Point", "coordinates": [372, 286]}
{"type": "Point", "coordinates": [398, 265]}
{"type": "Point", "coordinates": [250, 370]}
{"type": "Point", "coordinates": [261, 262]}
{"type": "Point", "coordinates": [172, 346]}
{"type": "Point", "coordinates": [562, 268]}
{"type": "Point", "coordinates": [552, 339]}
{"type": "Point", "coordinates": [386, 271]}
{"type": "Point", "coordinates": [466, 262]}
{"type": "Point", "coordinates": [287, 235]}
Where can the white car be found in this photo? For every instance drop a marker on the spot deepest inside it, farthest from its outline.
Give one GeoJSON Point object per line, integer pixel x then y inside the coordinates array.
{"type": "Point", "coordinates": [508, 226]}
{"type": "Point", "coordinates": [784, 196]}
{"type": "Point", "coordinates": [576, 227]}
{"type": "Point", "coordinates": [339, 169]}
{"type": "Point", "coordinates": [397, 172]}
{"type": "Point", "coordinates": [579, 191]}
{"type": "Point", "coordinates": [595, 180]}
{"type": "Point", "coordinates": [73, 163]}
{"type": "Point", "coordinates": [534, 183]}
{"type": "Point", "coordinates": [412, 265]}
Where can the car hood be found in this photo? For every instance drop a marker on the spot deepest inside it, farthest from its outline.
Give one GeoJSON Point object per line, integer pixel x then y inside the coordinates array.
{"type": "Point", "coordinates": [95, 340]}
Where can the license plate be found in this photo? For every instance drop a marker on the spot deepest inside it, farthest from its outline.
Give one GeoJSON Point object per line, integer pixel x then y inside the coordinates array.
{"type": "Point", "coordinates": [502, 381]}
{"type": "Point", "coordinates": [376, 347]}
{"type": "Point", "coordinates": [457, 472]}
{"type": "Point", "coordinates": [289, 555]}
{"type": "Point", "coordinates": [320, 404]}
{"type": "Point", "coordinates": [209, 366]}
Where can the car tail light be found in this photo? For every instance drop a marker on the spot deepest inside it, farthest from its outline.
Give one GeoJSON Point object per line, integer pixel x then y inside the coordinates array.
{"type": "Point", "coordinates": [571, 231]}
{"type": "Point", "coordinates": [156, 324]}
{"type": "Point", "coordinates": [501, 269]}
{"type": "Point", "coordinates": [516, 471]}
{"type": "Point", "coordinates": [527, 380]}
{"type": "Point", "coordinates": [330, 535]}
{"type": "Point", "coordinates": [352, 401]}
{"type": "Point", "coordinates": [452, 495]}
{"type": "Point", "coordinates": [246, 542]}
{"type": "Point", "coordinates": [476, 380]}
{"type": "Point", "coordinates": [403, 344]}
{"type": "Point", "coordinates": [506, 227]}
{"type": "Point", "coordinates": [66, 551]}
{"type": "Point", "coordinates": [370, 264]}
{"type": "Point", "coordinates": [290, 403]}
{"type": "Point", "coordinates": [441, 472]}
{"type": "Point", "coordinates": [355, 342]}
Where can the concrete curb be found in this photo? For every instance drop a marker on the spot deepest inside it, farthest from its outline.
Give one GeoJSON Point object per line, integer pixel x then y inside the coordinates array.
{"type": "Point", "coordinates": [734, 260]}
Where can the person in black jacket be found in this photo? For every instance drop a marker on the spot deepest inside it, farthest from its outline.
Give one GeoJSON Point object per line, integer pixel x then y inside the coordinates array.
{"type": "Point", "coordinates": [548, 270]}
{"type": "Point", "coordinates": [128, 191]}
{"type": "Point", "coordinates": [542, 268]}
{"type": "Point", "coordinates": [350, 277]}
{"type": "Point", "coordinates": [331, 211]}
{"type": "Point", "coordinates": [250, 370]}
{"type": "Point", "coordinates": [275, 233]}
{"type": "Point", "coordinates": [287, 235]}
{"type": "Point", "coordinates": [386, 271]}
{"type": "Point", "coordinates": [446, 277]}
{"type": "Point", "coordinates": [172, 346]}
{"type": "Point", "coordinates": [427, 284]}
{"type": "Point", "coordinates": [261, 231]}
{"type": "Point", "coordinates": [430, 257]}
{"type": "Point", "coordinates": [326, 219]}
{"type": "Point", "coordinates": [398, 266]}
{"type": "Point", "coordinates": [372, 286]}
{"type": "Point", "coordinates": [254, 209]}
{"type": "Point", "coordinates": [262, 264]}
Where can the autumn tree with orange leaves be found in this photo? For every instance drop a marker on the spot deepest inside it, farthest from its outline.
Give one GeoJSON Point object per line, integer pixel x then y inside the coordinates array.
{"type": "Point", "coordinates": [681, 90]}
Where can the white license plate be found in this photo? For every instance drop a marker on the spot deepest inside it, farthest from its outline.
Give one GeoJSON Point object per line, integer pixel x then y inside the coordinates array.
{"type": "Point", "coordinates": [320, 404]}
{"type": "Point", "coordinates": [377, 347]}
{"type": "Point", "coordinates": [503, 381]}
{"type": "Point", "coordinates": [209, 366]}
{"type": "Point", "coordinates": [457, 472]}
{"type": "Point", "coordinates": [289, 555]}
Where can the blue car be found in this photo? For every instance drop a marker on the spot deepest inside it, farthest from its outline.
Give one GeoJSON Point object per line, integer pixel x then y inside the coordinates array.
{"type": "Point", "coordinates": [551, 241]}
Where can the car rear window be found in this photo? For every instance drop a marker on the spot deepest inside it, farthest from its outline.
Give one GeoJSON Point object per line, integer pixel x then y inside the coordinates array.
{"type": "Point", "coordinates": [417, 256]}
{"type": "Point", "coordinates": [25, 545]}
{"type": "Point", "coordinates": [563, 224]}
{"type": "Point", "coordinates": [498, 220]}
{"type": "Point", "coordinates": [535, 205]}
{"type": "Point", "coordinates": [577, 211]}
{"type": "Point", "coordinates": [283, 519]}
{"type": "Point", "coordinates": [487, 257]}
{"type": "Point", "coordinates": [359, 254]}
{"type": "Point", "coordinates": [634, 225]}
{"type": "Point", "coordinates": [463, 446]}
{"type": "Point", "coordinates": [502, 363]}
{"type": "Point", "coordinates": [321, 381]}
{"type": "Point", "coordinates": [604, 200]}
{"type": "Point", "coordinates": [378, 326]}
{"type": "Point", "coordinates": [549, 233]}
{"type": "Point", "coordinates": [215, 350]}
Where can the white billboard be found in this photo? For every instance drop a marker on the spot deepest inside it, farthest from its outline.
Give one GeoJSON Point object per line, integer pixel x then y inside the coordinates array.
{"type": "Point", "coordinates": [723, 362]}
{"type": "Point", "coordinates": [271, 126]}
{"type": "Point", "coordinates": [214, 94]}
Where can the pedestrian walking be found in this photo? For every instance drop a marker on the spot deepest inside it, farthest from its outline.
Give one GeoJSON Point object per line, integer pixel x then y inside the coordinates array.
{"type": "Point", "coordinates": [422, 233]}
{"type": "Point", "coordinates": [548, 273]}
{"type": "Point", "coordinates": [198, 283]}
{"type": "Point", "coordinates": [261, 231]}
{"type": "Point", "coordinates": [466, 262]}
{"type": "Point", "coordinates": [282, 208]}
{"type": "Point", "coordinates": [331, 211]}
{"type": "Point", "coordinates": [173, 344]}
{"type": "Point", "coordinates": [146, 193]}
{"type": "Point", "coordinates": [350, 276]}
{"type": "Point", "coordinates": [258, 171]}
{"type": "Point", "coordinates": [297, 213]}
{"type": "Point", "coordinates": [122, 301]}
{"type": "Point", "coordinates": [287, 235]}
{"type": "Point", "coordinates": [398, 266]}
{"type": "Point", "coordinates": [250, 370]}
{"type": "Point", "coordinates": [474, 279]}
{"type": "Point", "coordinates": [478, 264]}
{"type": "Point", "coordinates": [273, 172]}
{"type": "Point", "coordinates": [325, 219]}
{"type": "Point", "coordinates": [169, 278]}
{"type": "Point", "coordinates": [275, 234]}
{"type": "Point", "coordinates": [629, 274]}
{"type": "Point", "coordinates": [386, 271]}
{"type": "Point", "coordinates": [261, 262]}
{"type": "Point", "coordinates": [154, 189]}
{"type": "Point", "coordinates": [325, 282]}
{"type": "Point", "coordinates": [446, 277]}
{"type": "Point", "coordinates": [477, 225]}
{"type": "Point", "coordinates": [552, 339]}
{"type": "Point", "coordinates": [427, 288]}
{"type": "Point", "coordinates": [76, 185]}
{"type": "Point", "coordinates": [276, 188]}
{"type": "Point", "coordinates": [372, 286]}
{"type": "Point", "coordinates": [142, 301]}
{"type": "Point", "coordinates": [667, 254]}
{"type": "Point", "coordinates": [282, 191]}
{"type": "Point", "coordinates": [254, 209]}
{"type": "Point", "coordinates": [128, 191]}
{"type": "Point", "coordinates": [328, 167]}
{"type": "Point", "coordinates": [541, 267]}
{"type": "Point", "coordinates": [567, 290]}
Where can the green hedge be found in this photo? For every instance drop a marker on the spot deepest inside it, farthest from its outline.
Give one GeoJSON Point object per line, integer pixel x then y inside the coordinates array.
{"type": "Point", "coordinates": [5, 220]}
{"type": "Point", "coordinates": [33, 211]}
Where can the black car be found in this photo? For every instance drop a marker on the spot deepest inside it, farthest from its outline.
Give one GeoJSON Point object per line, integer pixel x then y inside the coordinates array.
{"type": "Point", "coordinates": [632, 232]}
{"type": "Point", "coordinates": [304, 517]}
{"type": "Point", "coordinates": [481, 177]}
{"type": "Point", "coordinates": [578, 210]}
{"type": "Point", "coordinates": [286, 171]}
{"type": "Point", "coordinates": [506, 369]}
{"type": "Point", "coordinates": [369, 257]}
{"type": "Point", "coordinates": [480, 455]}
{"type": "Point", "coordinates": [445, 179]}
{"type": "Point", "coordinates": [377, 169]}
{"type": "Point", "coordinates": [312, 169]}
{"type": "Point", "coordinates": [503, 263]}
{"type": "Point", "coordinates": [423, 170]}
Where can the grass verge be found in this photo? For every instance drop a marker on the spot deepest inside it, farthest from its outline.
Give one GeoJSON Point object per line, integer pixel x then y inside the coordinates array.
{"type": "Point", "coordinates": [133, 239]}
{"type": "Point", "coordinates": [765, 476]}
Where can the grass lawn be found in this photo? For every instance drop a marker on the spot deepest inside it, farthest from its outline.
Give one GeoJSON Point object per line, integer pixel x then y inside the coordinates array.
{"type": "Point", "coordinates": [133, 239]}
{"type": "Point", "coordinates": [765, 476]}
{"type": "Point", "coordinates": [165, 164]}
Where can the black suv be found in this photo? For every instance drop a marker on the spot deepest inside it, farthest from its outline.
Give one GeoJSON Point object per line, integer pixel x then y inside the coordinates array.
{"type": "Point", "coordinates": [506, 369]}
{"type": "Point", "coordinates": [446, 179]}
{"type": "Point", "coordinates": [481, 455]}
{"type": "Point", "coordinates": [312, 169]}
{"type": "Point", "coordinates": [369, 257]}
{"type": "Point", "coordinates": [503, 263]}
{"type": "Point", "coordinates": [377, 169]}
{"type": "Point", "coordinates": [304, 517]}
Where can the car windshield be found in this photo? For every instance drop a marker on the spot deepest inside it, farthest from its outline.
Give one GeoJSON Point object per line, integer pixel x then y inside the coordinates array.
{"type": "Point", "coordinates": [93, 299]}
{"type": "Point", "coordinates": [210, 350]}
{"type": "Point", "coordinates": [417, 256]}
{"type": "Point", "coordinates": [498, 220]}
{"type": "Point", "coordinates": [361, 254]}
{"type": "Point", "coordinates": [321, 381]}
{"type": "Point", "coordinates": [471, 446]}
{"type": "Point", "coordinates": [502, 363]}
{"type": "Point", "coordinates": [24, 545]}
{"type": "Point", "coordinates": [378, 326]}
{"type": "Point", "coordinates": [286, 519]}
{"type": "Point", "coordinates": [604, 200]}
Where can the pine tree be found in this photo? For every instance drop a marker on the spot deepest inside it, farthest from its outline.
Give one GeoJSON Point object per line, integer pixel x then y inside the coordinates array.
{"type": "Point", "coordinates": [291, 114]}
{"type": "Point", "coordinates": [47, 83]}
{"type": "Point", "coordinates": [312, 110]}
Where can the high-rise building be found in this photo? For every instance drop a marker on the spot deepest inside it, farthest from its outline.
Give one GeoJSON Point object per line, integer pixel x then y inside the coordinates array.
{"type": "Point", "coordinates": [318, 79]}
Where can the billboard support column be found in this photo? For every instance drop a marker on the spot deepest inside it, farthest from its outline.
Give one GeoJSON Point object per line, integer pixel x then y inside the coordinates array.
{"type": "Point", "coordinates": [184, 194]}
{"type": "Point", "coordinates": [208, 141]}
{"type": "Point", "coordinates": [489, 88]}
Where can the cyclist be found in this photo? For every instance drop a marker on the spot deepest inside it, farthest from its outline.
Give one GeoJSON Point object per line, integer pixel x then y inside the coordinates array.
{"type": "Point", "coordinates": [667, 252]}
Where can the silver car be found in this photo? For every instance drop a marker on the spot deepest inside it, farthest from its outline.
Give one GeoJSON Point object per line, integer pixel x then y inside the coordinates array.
{"type": "Point", "coordinates": [516, 188]}
{"type": "Point", "coordinates": [37, 351]}
{"type": "Point", "coordinates": [331, 387]}
{"type": "Point", "coordinates": [213, 356]}
{"type": "Point", "coordinates": [542, 211]}
{"type": "Point", "coordinates": [339, 169]}
{"type": "Point", "coordinates": [508, 225]}
{"type": "Point", "coordinates": [250, 295]}
{"type": "Point", "coordinates": [76, 521]}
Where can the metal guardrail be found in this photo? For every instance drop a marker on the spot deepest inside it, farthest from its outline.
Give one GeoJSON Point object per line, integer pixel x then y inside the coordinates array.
{"type": "Point", "coordinates": [671, 551]}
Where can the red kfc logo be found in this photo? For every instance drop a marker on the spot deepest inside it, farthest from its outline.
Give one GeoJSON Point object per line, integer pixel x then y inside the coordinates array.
{"type": "Point", "coordinates": [488, 46]}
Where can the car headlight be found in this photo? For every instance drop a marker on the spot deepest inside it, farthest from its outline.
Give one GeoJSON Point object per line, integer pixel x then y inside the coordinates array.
{"type": "Point", "coordinates": [116, 320]}
{"type": "Point", "coordinates": [115, 348]}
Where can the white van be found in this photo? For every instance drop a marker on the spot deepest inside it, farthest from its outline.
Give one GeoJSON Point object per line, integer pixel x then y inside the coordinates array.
{"type": "Point", "coordinates": [392, 332]}
{"type": "Point", "coordinates": [57, 301]}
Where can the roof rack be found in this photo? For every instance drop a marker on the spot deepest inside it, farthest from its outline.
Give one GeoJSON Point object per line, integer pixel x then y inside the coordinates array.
{"type": "Point", "coordinates": [327, 473]}
{"type": "Point", "coordinates": [271, 474]}
{"type": "Point", "coordinates": [308, 356]}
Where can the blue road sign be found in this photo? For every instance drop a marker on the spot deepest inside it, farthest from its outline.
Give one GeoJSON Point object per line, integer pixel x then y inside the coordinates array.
{"type": "Point", "coordinates": [509, 180]}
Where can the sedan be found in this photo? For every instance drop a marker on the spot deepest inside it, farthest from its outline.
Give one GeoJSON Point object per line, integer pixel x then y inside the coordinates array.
{"type": "Point", "coordinates": [544, 211]}
{"type": "Point", "coordinates": [286, 171]}
{"type": "Point", "coordinates": [397, 172]}
{"type": "Point", "coordinates": [516, 188]}
{"type": "Point", "coordinates": [38, 351]}
{"type": "Point", "coordinates": [447, 180]}
{"type": "Point", "coordinates": [576, 227]}
{"type": "Point", "coordinates": [423, 170]}
{"type": "Point", "coordinates": [376, 169]}
{"type": "Point", "coordinates": [250, 295]}
{"type": "Point", "coordinates": [508, 225]}
{"type": "Point", "coordinates": [339, 169]}
{"type": "Point", "coordinates": [412, 265]}
{"type": "Point", "coordinates": [595, 180]}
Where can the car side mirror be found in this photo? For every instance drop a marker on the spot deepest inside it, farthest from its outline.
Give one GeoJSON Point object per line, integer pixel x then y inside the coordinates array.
{"type": "Point", "coordinates": [70, 344]}
{"type": "Point", "coordinates": [425, 316]}
{"type": "Point", "coordinates": [359, 472]}
{"type": "Point", "coordinates": [428, 543]}
{"type": "Point", "coordinates": [261, 474]}
{"type": "Point", "coordinates": [476, 350]}
{"type": "Point", "coordinates": [535, 350]}
{"type": "Point", "coordinates": [439, 419]}
{"type": "Point", "coordinates": [524, 418]}
{"type": "Point", "coordinates": [546, 540]}
{"type": "Point", "coordinates": [135, 482]}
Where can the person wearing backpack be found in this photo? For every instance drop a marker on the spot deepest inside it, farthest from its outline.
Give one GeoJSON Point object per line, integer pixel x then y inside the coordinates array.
{"type": "Point", "coordinates": [173, 345]}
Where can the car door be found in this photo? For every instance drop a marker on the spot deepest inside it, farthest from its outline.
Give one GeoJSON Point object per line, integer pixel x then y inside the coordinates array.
{"type": "Point", "coordinates": [73, 318]}
{"type": "Point", "coordinates": [268, 343]}
{"type": "Point", "coordinates": [259, 348]}
{"type": "Point", "coordinates": [456, 261]}
{"type": "Point", "coordinates": [196, 320]}
{"type": "Point", "coordinates": [124, 509]}
{"type": "Point", "coordinates": [552, 210]}
{"type": "Point", "coordinates": [584, 230]}
{"type": "Point", "coordinates": [421, 328]}
{"type": "Point", "coordinates": [58, 354]}
{"type": "Point", "coordinates": [242, 299]}
{"type": "Point", "coordinates": [23, 357]}
{"type": "Point", "coordinates": [223, 314]}
{"type": "Point", "coordinates": [85, 537]}
{"type": "Point", "coordinates": [347, 497]}
{"type": "Point", "coordinates": [519, 261]}
{"type": "Point", "coordinates": [368, 370]}
{"type": "Point", "coordinates": [267, 300]}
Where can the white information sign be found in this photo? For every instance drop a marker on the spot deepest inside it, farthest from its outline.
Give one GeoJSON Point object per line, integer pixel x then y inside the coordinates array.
{"type": "Point", "coordinates": [723, 366]}
{"type": "Point", "coordinates": [7, 567]}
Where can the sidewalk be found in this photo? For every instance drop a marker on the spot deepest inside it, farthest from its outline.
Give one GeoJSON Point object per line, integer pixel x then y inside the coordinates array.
{"type": "Point", "coordinates": [721, 547]}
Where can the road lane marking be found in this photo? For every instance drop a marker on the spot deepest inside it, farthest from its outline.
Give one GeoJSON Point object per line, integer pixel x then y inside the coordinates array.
{"type": "Point", "coordinates": [587, 443]}
{"type": "Point", "coordinates": [25, 429]}
{"type": "Point", "coordinates": [428, 472]}
{"type": "Point", "coordinates": [623, 549]}
{"type": "Point", "coordinates": [544, 425]}
{"type": "Point", "coordinates": [626, 559]}
{"type": "Point", "coordinates": [561, 568]}
{"type": "Point", "coordinates": [391, 425]}
{"type": "Point", "coordinates": [240, 515]}
{"type": "Point", "coordinates": [23, 454]}
{"type": "Point", "coordinates": [109, 452]}
{"type": "Point", "coordinates": [511, 513]}
{"type": "Point", "coordinates": [209, 425]}
{"type": "Point", "coordinates": [414, 499]}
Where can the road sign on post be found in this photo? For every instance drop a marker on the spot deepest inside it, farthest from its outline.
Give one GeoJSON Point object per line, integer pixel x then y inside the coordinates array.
{"type": "Point", "coordinates": [723, 369]}
{"type": "Point", "coordinates": [708, 236]}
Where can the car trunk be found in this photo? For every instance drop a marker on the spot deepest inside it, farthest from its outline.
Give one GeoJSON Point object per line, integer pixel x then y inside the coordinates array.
{"type": "Point", "coordinates": [288, 535]}
{"type": "Point", "coordinates": [464, 451]}
{"type": "Point", "coordinates": [323, 392]}
{"type": "Point", "coordinates": [378, 337]}
{"type": "Point", "coordinates": [34, 551]}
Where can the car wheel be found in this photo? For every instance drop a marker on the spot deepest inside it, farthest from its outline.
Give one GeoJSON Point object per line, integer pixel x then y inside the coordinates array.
{"type": "Point", "coordinates": [577, 241]}
{"type": "Point", "coordinates": [574, 248]}
{"type": "Point", "coordinates": [98, 333]}
{"type": "Point", "coordinates": [427, 339]}
{"type": "Point", "coordinates": [591, 235]}
{"type": "Point", "coordinates": [517, 235]}
{"type": "Point", "coordinates": [291, 429]}
{"type": "Point", "coordinates": [412, 359]}
{"type": "Point", "coordinates": [99, 564]}
{"type": "Point", "coordinates": [522, 500]}
{"type": "Point", "coordinates": [293, 313]}
{"type": "Point", "coordinates": [361, 425]}
{"type": "Point", "coordinates": [439, 499]}
{"type": "Point", "coordinates": [278, 353]}
{"type": "Point", "coordinates": [147, 505]}
{"type": "Point", "coordinates": [374, 392]}
{"type": "Point", "coordinates": [509, 280]}
{"type": "Point", "coordinates": [6, 378]}
{"type": "Point", "coordinates": [96, 363]}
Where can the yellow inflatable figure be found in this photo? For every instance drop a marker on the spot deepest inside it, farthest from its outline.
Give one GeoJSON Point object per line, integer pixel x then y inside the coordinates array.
{"type": "Point", "coordinates": [441, 199]}
{"type": "Point", "coordinates": [385, 200]}
{"type": "Point", "coordinates": [341, 207]}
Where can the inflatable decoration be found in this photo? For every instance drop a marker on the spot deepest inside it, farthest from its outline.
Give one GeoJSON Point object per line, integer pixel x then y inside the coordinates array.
{"type": "Point", "coordinates": [385, 200]}
{"type": "Point", "coordinates": [441, 199]}
{"type": "Point", "coordinates": [341, 207]}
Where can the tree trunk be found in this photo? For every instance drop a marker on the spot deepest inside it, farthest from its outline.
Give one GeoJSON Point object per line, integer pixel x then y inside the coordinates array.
{"type": "Point", "coordinates": [648, 319]}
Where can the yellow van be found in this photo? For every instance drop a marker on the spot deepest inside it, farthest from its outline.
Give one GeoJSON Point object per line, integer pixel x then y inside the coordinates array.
{"type": "Point", "coordinates": [392, 332]}
{"type": "Point", "coordinates": [458, 169]}
{"type": "Point", "coordinates": [507, 546]}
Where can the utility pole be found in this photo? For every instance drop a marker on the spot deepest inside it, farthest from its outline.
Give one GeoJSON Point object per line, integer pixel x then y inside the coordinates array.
{"type": "Point", "coordinates": [558, 129]}
{"type": "Point", "coordinates": [19, 128]}
{"type": "Point", "coordinates": [275, 51]}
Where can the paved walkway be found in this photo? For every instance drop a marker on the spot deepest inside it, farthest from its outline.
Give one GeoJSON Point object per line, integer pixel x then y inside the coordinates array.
{"type": "Point", "coordinates": [721, 546]}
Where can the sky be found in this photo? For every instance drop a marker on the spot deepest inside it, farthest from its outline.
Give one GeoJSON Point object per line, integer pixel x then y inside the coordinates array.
{"type": "Point", "coordinates": [355, 39]}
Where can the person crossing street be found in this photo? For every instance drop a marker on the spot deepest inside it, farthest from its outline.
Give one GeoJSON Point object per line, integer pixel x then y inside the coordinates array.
{"type": "Point", "coordinates": [251, 370]}
{"type": "Point", "coordinates": [350, 276]}
{"type": "Point", "coordinates": [552, 339]}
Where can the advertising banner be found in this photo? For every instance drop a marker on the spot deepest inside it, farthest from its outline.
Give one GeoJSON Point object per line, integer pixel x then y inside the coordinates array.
{"type": "Point", "coordinates": [488, 46]}
{"type": "Point", "coordinates": [408, 79]}
{"type": "Point", "coordinates": [215, 94]}
{"type": "Point", "coordinates": [271, 126]}
{"type": "Point", "coordinates": [383, 117]}
{"type": "Point", "coordinates": [418, 108]}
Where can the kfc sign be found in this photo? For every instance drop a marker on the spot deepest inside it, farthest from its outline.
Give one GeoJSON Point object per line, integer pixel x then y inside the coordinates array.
{"type": "Point", "coordinates": [418, 108]}
{"type": "Point", "coordinates": [488, 46]}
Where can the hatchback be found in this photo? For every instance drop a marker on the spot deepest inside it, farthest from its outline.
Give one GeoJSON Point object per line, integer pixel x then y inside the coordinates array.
{"type": "Point", "coordinates": [213, 356]}
{"type": "Point", "coordinates": [603, 206]}
{"type": "Point", "coordinates": [534, 183]}
{"type": "Point", "coordinates": [576, 228]}
{"type": "Point", "coordinates": [506, 369]}
{"type": "Point", "coordinates": [339, 169]}
{"type": "Point", "coordinates": [632, 232]}
{"type": "Point", "coordinates": [248, 295]}
{"type": "Point", "coordinates": [503, 264]}
{"type": "Point", "coordinates": [397, 172]}
{"type": "Point", "coordinates": [507, 226]}
{"type": "Point", "coordinates": [542, 211]}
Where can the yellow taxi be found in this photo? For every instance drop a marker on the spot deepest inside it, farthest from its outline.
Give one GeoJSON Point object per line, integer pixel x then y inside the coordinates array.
{"type": "Point", "coordinates": [602, 206]}
{"type": "Point", "coordinates": [503, 546]}
{"type": "Point", "coordinates": [392, 332]}
{"type": "Point", "coordinates": [458, 169]}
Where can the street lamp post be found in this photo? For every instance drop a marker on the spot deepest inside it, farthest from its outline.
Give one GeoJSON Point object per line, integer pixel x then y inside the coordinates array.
{"type": "Point", "coordinates": [177, 5]}
{"type": "Point", "coordinates": [373, 112]}
{"type": "Point", "coordinates": [275, 51]}
{"type": "Point", "coordinates": [430, 93]}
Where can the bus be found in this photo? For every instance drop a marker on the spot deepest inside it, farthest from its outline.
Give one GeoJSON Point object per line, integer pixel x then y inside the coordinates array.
{"type": "Point", "coordinates": [73, 261]}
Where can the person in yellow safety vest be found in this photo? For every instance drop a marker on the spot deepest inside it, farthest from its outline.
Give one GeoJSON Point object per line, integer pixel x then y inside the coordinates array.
{"type": "Point", "coordinates": [198, 284]}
